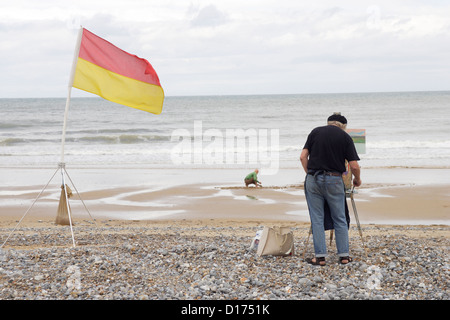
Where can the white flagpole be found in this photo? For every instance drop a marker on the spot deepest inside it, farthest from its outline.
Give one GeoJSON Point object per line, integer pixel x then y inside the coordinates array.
{"type": "Point", "coordinates": [63, 139]}
{"type": "Point", "coordinates": [62, 164]}
{"type": "Point", "coordinates": [72, 75]}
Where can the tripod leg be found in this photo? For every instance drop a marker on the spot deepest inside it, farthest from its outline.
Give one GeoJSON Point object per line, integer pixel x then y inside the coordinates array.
{"type": "Point", "coordinates": [357, 222]}
{"type": "Point", "coordinates": [39, 195]}
{"type": "Point", "coordinates": [67, 204]}
{"type": "Point", "coordinates": [87, 210]}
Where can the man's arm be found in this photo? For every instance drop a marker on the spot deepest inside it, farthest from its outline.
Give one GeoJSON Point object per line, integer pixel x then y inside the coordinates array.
{"type": "Point", "coordinates": [304, 159]}
{"type": "Point", "coordinates": [356, 171]}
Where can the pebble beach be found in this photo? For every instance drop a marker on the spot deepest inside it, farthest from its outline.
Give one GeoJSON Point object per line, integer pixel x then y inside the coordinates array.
{"type": "Point", "coordinates": [212, 260]}
{"type": "Point", "coordinates": [189, 242]}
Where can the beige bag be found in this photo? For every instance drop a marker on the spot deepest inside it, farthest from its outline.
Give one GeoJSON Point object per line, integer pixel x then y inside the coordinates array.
{"type": "Point", "coordinates": [347, 177]}
{"type": "Point", "coordinates": [276, 241]}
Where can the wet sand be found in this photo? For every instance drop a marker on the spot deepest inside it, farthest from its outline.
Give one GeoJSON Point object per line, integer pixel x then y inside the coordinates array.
{"type": "Point", "coordinates": [376, 203]}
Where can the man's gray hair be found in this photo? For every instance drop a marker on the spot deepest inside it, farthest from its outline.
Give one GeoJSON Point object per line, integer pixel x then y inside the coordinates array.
{"type": "Point", "coordinates": [338, 124]}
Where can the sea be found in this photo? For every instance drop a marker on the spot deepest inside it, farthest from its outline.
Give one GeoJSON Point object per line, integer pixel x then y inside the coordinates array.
{"type": "Point", "coordinates": [402, 129]}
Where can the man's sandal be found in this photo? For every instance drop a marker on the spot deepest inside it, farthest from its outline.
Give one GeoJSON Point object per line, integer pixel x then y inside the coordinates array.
{"type": "Point", "coordinates": [316, 261]}
{"type": "Point", "coordinates": [348, 259]}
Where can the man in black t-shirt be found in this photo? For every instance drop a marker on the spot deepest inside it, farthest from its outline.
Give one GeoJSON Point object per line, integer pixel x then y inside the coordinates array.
{"type": "Point", "coordinates": [323, 159]}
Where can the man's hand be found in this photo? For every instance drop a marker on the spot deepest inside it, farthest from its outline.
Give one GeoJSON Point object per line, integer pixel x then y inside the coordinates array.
{"type": "Point", "coordinates": [356, 171]}
{"type": "Point", "coordinates": [357, 182]}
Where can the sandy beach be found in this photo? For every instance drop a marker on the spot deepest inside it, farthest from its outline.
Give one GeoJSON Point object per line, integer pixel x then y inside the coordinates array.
{"type": "Point", "coordinates": [407, 197]}
{"type": "Point", "coordinates": [395, 196]}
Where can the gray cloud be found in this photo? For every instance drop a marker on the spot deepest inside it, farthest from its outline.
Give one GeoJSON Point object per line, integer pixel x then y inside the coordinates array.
{"type": "Point", "coordinates": [209, 16]}
{"type": "Point", "coordinates": [235, 47]}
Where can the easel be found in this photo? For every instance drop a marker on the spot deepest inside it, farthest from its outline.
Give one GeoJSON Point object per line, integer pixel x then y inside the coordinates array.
{"type": "Point", "coordinates": [348, 194]}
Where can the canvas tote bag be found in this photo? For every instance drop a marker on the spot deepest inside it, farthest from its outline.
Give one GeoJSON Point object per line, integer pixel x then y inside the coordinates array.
{"type": "Point", "coordinates": [276, 241]}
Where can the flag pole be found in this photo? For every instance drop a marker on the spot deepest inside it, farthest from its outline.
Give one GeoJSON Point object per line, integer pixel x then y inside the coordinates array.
{"type": "Point", "coordinates": [63, 139]}
{"type": "Point", "coordinates": [62, 164]}
{"type": "Point", "coordinates": [72, 75]}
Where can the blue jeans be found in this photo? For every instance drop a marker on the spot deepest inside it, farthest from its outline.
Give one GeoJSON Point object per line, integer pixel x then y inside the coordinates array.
{"type": "Point", "coordinates": [321, 188]}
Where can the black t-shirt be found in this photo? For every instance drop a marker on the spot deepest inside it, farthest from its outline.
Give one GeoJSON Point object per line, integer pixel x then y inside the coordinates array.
{"type": "Point", "coordinates": [329, 146]}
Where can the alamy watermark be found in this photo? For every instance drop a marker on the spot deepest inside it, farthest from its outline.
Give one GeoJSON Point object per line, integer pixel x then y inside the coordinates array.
{"type": "Point", "coordinates": [250, 147]}
{"type": "Point", "coordinates": [73, 282]}
{"type": "Point", "coordinates": [374, 281]}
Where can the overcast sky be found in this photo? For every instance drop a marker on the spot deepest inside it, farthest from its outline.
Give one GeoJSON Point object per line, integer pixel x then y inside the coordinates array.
{"type": "Point", "coordinates": [234, 46]}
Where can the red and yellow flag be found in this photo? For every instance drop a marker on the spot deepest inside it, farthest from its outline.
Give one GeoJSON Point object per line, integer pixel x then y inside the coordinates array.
{"type": "Point", "coordinates": [108, 71]}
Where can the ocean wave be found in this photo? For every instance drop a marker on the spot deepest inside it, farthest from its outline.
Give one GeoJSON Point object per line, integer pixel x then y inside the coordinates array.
{"type": "Point", "coordinates": [395, 144]}
{"type": "Point", "coordinates": [386, 144]}
{"type": "Point", "coordinates": [15, 125]}
{"type": "Point", "coordinates": [11, 141]}
{"type": "Point", "coordinates": [120, 139]}
{"type": "Point", "coordinates": [18, 141]}
{"type": "Point", "coordinates": [112, 131]}
{"type": "Point", "coordinates": [89, 140]}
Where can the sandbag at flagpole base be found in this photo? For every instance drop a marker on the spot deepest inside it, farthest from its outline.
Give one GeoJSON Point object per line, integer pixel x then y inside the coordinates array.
{"type": "Point", "coordinates": [62, 217]}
